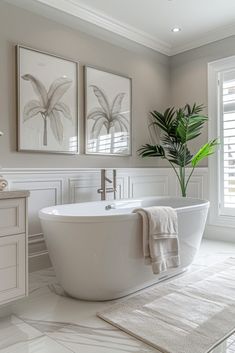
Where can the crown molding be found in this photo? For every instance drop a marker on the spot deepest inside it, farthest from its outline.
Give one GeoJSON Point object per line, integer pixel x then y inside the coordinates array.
{"type": "Point", "coordinates": [89, 15]}
{"type": "Point", "coordinates": [99, 19]}
{"type": "Point", "coordinates": [207, 38]}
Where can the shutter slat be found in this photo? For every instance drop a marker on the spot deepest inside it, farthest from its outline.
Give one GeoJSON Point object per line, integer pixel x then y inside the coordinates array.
{"type": "Point", "coordinates": [228, 148]}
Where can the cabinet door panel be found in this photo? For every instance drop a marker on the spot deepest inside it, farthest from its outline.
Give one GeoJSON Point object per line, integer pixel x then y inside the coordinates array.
{"type": "Point", "coordinates": [8, 254]}
{"type": "Point", "coordinates": [12, 267]}
{"type": "Point", "coordinates": [12, 216]}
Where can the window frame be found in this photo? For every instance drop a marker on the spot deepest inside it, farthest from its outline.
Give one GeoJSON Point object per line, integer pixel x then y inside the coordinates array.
{"type": "Point", "coordinates": [218, 215]}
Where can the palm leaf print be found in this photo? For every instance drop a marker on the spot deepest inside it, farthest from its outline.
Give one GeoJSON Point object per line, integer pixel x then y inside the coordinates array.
{"type": "Point", "coordinates": [48, 105]}
{"type": "Point", "coordinates": [107, 115]}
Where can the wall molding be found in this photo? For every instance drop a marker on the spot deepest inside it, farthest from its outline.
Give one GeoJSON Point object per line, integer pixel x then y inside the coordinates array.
{"type": "Point", "coordinates": [51, 186]}
{"type": "Point", "coordinates": [36, 238]}
{"type": "Point", "coordinates": [207, 38]}
{"type": "Point", "coordinates": [108, 23]}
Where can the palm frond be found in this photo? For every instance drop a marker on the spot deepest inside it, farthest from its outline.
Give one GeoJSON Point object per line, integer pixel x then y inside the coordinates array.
{"type": "Point", "coordinates": [97, 126]}
{"type": "Point", "coordinates": [177, 153]}
{"type": "Point", "coordinates": [118, 127]}
{"type": "Point", "coordinates": [102, 99]}
{"type": "Point", "coordinates": [38, 88]}
{"type": "Point", "coordinates": [32, 108]}
{"type": "Point", "coordinates": [56, 91]}
{"type": "Point", "coordinates": [165, 120]}
{"type": "Point", "coordinates": [63, 109]}
{"type": "Point", "coordinates": [120, 116]}
{"type": "Point", "coordinates": [121, 123]}
{"type": "Point", "coordinates": [189, 124]}
{"type": "Point", "coordinates": [205, 151]}
{"type": "Point", "coordinates": [152, 151]}
{"type": "Point", "coordinates": [96, 113]}
{"type": "Point", "coordinates": [194, 110]}
{"type": "Point", "coordinates": [117, 103]}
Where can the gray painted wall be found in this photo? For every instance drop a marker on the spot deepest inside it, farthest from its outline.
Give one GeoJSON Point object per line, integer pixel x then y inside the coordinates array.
{"type": "Point", "coordinates": [189, 76]}
{"type": "Point", "coordinates": [148, 70]}
{"type": "Point", "coordinates": [158, 82]}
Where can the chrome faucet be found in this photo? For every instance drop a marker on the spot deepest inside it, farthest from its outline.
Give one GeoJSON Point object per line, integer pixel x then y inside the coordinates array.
{"type": "Point", "coordinates": [104, 190]}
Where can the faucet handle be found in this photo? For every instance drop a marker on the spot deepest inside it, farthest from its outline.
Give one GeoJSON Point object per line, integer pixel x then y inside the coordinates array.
{"type": "Point", "coordinates": [100, 191]}
{"type": "Point", "coordinates": [107, 179]}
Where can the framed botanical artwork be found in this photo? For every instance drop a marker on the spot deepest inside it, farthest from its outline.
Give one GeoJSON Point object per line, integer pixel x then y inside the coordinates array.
{"type": "Point", "coordinates": [47, 102]}
{"type": "Point", "coordinates": [107, 113]}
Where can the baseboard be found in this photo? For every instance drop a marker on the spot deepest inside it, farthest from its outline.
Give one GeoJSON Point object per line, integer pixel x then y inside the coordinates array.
{"type": "Point", "coordinates": [219, 233]}
{"type": "Point", "coordinates": [39, 261]}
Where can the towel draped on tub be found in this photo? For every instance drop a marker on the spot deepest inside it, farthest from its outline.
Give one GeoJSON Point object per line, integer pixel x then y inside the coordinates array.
{"type": "Point", "coordinates": [160, 237]}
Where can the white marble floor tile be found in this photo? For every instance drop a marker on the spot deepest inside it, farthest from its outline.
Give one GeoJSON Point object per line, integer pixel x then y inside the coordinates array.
{"type": "Point", "coordinates": [17, 336]}
{"type": "Point", "coordinates": [49, 321]}
{"type": "Point", "coordinates": [91, 339]}
{"type": "Point", "coordinates": [212, 252]}
{"type": "Point", "coordinates": [41, 344]}
{"type": "Point", "coordinates": [14, 330]}
{"type": "Point", "coordinates": [42, 278]}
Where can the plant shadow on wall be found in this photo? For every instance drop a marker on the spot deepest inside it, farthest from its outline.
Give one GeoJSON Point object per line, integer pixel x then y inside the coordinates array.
{"type": "Point", "coordinates": [49, 105]}
{"type": "Point", "coordinates": [178, 127]}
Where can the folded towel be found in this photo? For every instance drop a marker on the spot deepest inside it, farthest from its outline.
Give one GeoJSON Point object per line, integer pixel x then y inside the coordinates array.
{"type": "Point", "coordinates": [160, 237]}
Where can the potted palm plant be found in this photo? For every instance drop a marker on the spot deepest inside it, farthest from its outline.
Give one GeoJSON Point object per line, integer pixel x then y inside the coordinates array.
{"type": "Point", "coordinates": [178, 127]}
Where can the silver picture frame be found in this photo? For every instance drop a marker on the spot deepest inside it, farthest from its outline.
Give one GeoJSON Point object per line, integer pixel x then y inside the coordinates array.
{"type": "Point", "coordinates": [64, 125]}
{"type": "Point", "coordinates": [125, 134]}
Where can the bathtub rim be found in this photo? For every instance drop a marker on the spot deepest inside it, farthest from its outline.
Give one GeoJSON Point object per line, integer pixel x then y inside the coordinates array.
{"type": "Point", "coordinates": [199, 204]}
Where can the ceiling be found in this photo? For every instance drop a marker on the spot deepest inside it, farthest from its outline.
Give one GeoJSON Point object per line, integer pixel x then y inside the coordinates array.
{"type": "Point", "coordinates": [149, 22]}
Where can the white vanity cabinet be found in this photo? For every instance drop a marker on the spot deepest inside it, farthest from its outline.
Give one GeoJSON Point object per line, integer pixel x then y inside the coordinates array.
{"type": "Point", "coordinates": [13, 245]}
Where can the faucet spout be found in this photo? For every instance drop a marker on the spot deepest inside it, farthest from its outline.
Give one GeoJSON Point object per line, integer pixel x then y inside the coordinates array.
{"type": "Point", "coordinates": [104, 190]}
{"type": "Point", "coordinates": [108, 180]}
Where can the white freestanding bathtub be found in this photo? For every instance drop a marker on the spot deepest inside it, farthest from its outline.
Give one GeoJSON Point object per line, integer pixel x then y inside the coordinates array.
{"type": "Point", "coordinates": [97, 252]}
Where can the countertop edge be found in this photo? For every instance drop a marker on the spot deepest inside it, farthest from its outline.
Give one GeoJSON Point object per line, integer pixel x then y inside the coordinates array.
{"type": "Point", "coordinates": [12, 194]}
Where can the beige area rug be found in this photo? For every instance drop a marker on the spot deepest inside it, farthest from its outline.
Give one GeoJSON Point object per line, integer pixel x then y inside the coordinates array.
{"type": "Point", "coordinates": [191, 314]}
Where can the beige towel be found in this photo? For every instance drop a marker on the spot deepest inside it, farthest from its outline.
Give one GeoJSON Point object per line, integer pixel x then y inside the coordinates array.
{"type": "Point", "coordinates": [160, 237]}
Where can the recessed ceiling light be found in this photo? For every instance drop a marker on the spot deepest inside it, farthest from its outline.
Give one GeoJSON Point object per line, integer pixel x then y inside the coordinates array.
{"type": "Point", "coordinates": [176, 29]}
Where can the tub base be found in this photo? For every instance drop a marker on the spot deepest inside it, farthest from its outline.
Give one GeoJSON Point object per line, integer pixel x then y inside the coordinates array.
{"type": "Point", "coordinates": [132, 291]}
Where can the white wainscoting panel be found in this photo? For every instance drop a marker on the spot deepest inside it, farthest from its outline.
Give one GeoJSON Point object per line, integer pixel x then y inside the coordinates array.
{"type": "Point", "coordinates": [43, 193]}
{"type": "Point", "coordinates": [149, 185]}
{"type": "Point", "coordinates": [57, 186]}
{"type": "Point", "coordinates": [83, 189]}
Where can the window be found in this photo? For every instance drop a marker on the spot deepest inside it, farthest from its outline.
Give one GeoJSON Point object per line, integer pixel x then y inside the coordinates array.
{"type": "Point", "coordinates": [227, 138]}
{"type": "Point", "coordinates": [221, 105]}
